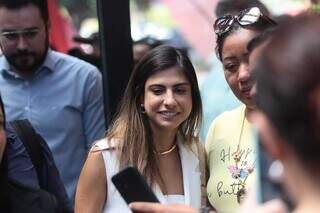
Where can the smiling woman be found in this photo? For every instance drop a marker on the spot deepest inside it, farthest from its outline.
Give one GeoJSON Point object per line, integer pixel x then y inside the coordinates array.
{"type": "Point", "coordinates": [155, 130]}
{"type": "Point", "coordinates": [167, 100]}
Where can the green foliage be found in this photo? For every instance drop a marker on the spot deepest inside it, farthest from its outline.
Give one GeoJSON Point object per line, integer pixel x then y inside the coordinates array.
{"type": "Point", "coordinates": [161, 15]}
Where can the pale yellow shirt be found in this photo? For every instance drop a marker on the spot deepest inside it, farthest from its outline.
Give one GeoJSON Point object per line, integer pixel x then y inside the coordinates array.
{"type": "Point", "coordinates": [222, 141]}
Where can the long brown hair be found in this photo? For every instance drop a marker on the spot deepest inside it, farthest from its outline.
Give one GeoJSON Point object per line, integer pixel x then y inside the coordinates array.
{"type": "Point", "coordinates": [131, 127]}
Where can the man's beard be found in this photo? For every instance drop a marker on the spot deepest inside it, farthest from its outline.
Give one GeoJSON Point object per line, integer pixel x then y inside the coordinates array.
{"type": "Point", "coordinates": [26, 62]}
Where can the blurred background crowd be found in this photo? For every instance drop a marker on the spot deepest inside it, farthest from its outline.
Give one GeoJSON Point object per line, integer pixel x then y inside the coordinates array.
{"type": "Point", "coordinates": [182, 23]}
{"type": "Point", "coordinates": [186, 24]}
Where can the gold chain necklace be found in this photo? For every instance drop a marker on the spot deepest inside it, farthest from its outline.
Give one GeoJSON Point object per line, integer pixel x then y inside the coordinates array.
{"type": "Point", "coordinates": [166, 152]}
{"type": "Point", "coordinates": [236, 154]}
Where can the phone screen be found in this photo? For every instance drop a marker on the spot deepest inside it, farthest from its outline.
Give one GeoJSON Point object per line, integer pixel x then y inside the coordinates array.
{"type": "Point", "coordinates": [132, 186]}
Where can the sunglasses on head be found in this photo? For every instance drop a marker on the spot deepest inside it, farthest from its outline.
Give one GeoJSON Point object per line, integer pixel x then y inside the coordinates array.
{"type": "Point", "coordinates": [246, 17]}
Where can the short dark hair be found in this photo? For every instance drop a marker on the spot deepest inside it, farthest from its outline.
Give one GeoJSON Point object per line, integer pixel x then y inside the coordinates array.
{"type": "Point", "coordinates": [18, 4]}
{"type": "Point", "coordinates": [288, 74]}
{"type": "Point", "coordinates": [235, 6]}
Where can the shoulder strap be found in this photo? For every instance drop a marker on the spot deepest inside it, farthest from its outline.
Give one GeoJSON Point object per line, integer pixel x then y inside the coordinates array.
{"type": "Point", "coordinates": [29, 138]}
{"type": "Point", "coordinates": [203, 171]}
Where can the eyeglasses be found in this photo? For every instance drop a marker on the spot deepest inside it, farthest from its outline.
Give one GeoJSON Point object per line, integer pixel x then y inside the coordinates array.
{"type": "Point", "coordinates": [244, 18]}
{"type": "Point", "coordinates": [12, 37]}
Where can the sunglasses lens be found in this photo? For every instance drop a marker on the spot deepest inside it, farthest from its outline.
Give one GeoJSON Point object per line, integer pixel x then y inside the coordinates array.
{"type": "Point", "coordinates": [222, 24]}
{"type": "Point", "coordinates": [249, 16]}
{"type": "Point", "coordinates": [245, 18]}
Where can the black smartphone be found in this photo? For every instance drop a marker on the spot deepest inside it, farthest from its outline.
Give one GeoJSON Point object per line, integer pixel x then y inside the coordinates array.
{"type": "Point", "coordinates": [132, 186]}
{"type": "Point", "coordinates": [268, 188]}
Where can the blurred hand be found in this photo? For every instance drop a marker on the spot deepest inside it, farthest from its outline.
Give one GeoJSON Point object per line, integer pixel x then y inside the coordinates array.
{"type": "Point", "coordinates": [161, 208]}
{"type": "Point", "coordinates": [272, 206]}
{"type": "Point", "coordinates": [250, 204]}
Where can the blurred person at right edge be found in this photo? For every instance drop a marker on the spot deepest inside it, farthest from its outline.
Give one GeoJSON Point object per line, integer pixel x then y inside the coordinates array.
{"type": "Point", "coordinates": [288, 94]}
{"type": "Point", "coordinates": [216, 94]}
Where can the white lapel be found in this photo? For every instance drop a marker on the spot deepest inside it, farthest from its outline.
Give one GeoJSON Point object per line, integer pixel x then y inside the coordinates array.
{"type": "Point", "coordinates": [191, 174]}
{"type": "Point", "coordinates": [159, 194]}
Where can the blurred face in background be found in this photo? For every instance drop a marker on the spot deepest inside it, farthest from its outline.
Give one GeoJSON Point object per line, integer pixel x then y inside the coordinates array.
{"type": "Point", "coordinates": [139, 50]}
